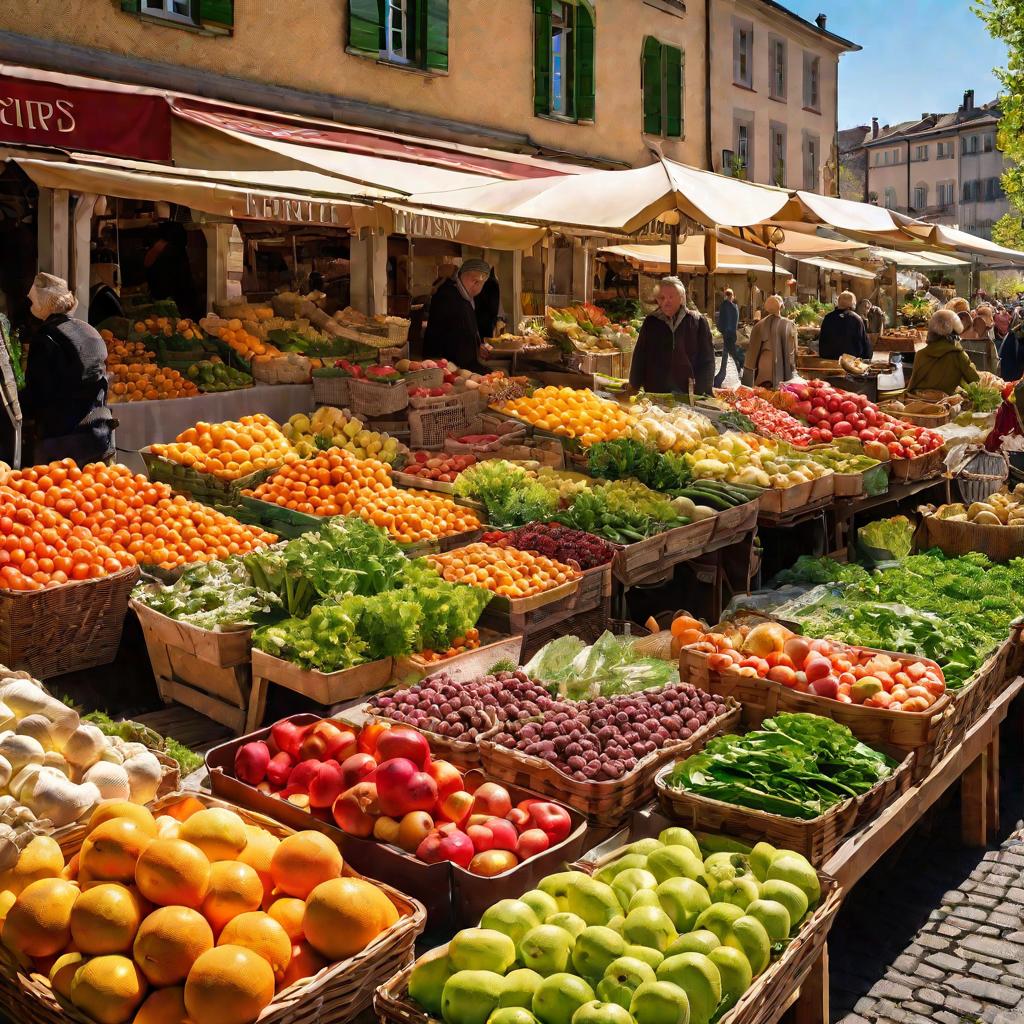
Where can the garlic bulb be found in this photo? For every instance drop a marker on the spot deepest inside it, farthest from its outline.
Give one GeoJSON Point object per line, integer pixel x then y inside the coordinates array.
{"type": "Point", "coordinates": [40, 728]}
{"type": "Point", "coordinates": [144, 774]}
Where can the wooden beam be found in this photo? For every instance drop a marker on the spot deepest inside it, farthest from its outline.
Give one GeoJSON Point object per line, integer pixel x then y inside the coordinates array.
{"type": "Point", "coordinates": [53, 231]}
{"type": "Point", "coordinates": [80, 255]}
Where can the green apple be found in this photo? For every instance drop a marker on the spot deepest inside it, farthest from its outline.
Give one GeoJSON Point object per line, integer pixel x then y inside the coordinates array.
{"type": "Point", "coordinates": [632, 881]}
{"type": "Point", "coordinates": [722, 867]}
{"type": "Point", "coordinates": [596, 947]}
{"type": "Point", "coordinates": [795, 868]}
{"type": "Point", "coordinates": [701, 941]}
{"type": "Point", "coordinates": [645, 847]}
{"type": "Point", "coordinates": [698, 977]}
{"type": "Point", "coordinates": [741, 890]}
{"type": "Point", "coordinates": [469, 997]}
{"type": "Point", "coordinates": [786, 893]}
{"type": "Point", "coordinates": [557, 998]}
{"type": "Point", "coordinates": [718, 918]}
{"type": "Point", "coordinates": [546, 949]}
{"type": "Point", "coordinates": [512, 1015]}
{"type": "Point", "coordinates": [675, 862]}
{"type": "Point", "coordinates": [572, 923]}
{"type": "Point", "coordinates": [519, 988]}
{"type": "Point", "coordinates": [648, 954]}
{"type": "Point", "coordinates": [426, 983]}
{"type": "Point", "coordinates": [596, 1012]}
{"type": "Point", "coordinates": [678, 836]}
{"type": "Point", "coordinates": [649, 926]}
{"type": "Point", "coordinates": [630, 860]}
{"type": "Point", "coordinates": [557, 887]}
{"type": "Point", "coordinates": [660, 1002]}
{"type": "Point", "coordinates": [592, 900]}
{"type": "Point", "coordinates": [734, 970]}
{"type": "Point", "coordinates": [642, 898]}
{"type": "Point", "coordinates": [683, 900]}
{"type": "Point", "coordinates": [622, 978]}
{"type": "Point", "coordinates": [541, 903]}
{"type": "Point", "coordinates": [748, 935]}
{"type": "Point", "coordinates": [481, 949]}
{"type": "Point", "coordinates": [511, 917]}
{"type": "Point", "coordinates": [773, 915]}
{"type": "Point", "coordinates": [616, 923]}
{"type": "Point", "coordinates": [761, 857]}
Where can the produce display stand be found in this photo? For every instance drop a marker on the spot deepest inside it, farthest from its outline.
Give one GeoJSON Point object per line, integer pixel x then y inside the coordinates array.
{"type": "Point", "coordinates": [204, 487]}
{"type": "Point", "coordinates": [470, 664]}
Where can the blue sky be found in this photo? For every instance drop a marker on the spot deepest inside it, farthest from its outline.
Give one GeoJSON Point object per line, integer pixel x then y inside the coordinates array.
{"type": "Point", "coordinates": [918, 55]}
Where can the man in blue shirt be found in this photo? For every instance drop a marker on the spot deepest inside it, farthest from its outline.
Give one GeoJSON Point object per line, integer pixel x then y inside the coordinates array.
{"type": "Point", "coordinates": [728, 324]}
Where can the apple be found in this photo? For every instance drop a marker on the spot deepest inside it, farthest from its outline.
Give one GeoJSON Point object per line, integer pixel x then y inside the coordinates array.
{"type": "Point", "coordinates": [493, 862]}
{"type": "Point", "coordinates": [402, 787]}
{"type": "Point", "coordinates": [660, 1002]}
{"type": "Point", "coordinates": [327, 785]}
{"type": "Point", "coordinates": [369, 735]}
{"type": "Point", "coordinates": [532, 842]}
{"type": "Point", "coordinates": [674, 862]}
{"type": "Point", "coordinates": [470, 997]}
{"type": "Point", "coordinates": [481, 949]}
{"type": "Point", "coordinates": [521, 818]}
{"type": "Point", "coordinates": [698, 977]}
{"type": "Point", "coordinates": [558, 997]}
{"type": "Point", "coordinates": [287, 735]}
{"type": "Point", "coordinates": [357, 810]}
{"type": "Point", "coordinates": [454, 846]}
{"type": "Point", "coordinates": [447, 777]}
{"type": "Point", "coordinates": [826, 686]}
{"type": "Point", "coordinates": [596, 1012]}
{"type": "Point", "coordinates": [592, 900]}
{"type": "Point", "coordinates": [649, 926]}
{"type": "Point", "coordinates": [571, 923]}
{"type": "Point", "coordinates": [494, 834]}
{"type": "Point", "coordinates": [428, 978]}
{"type": "Point", "coordinates": [542, 904]}
{"type": "Point", "coordinates": [456, 806]}
{"type": "Point", "coordinates": [512, 917]}
{"type": "Point", "coordinates": [402, 742]}
{"type": "Point", "coordinates": [683, 900]}
{"type": "Point", "coordinates": [520, 985]}
{"type": "Point", "coordinates": [413, 829]}
{"type": "Point", "coordinates": [631, 881]}
{"type": "Point", "coordinates": [551, 819]}
{"type": "Point", "coordinates": [622, 978]}
{"type": "Point", "coordinates": [492, 799]}
{"type": "Point", "coordinates": [279, 769]}
{"type": "Point", "coordinates": [596, 948]}
{"type": "Point", "coordinates": [303, 774]}
{"type": "Point", "coordinates": [546, 949]}
{"type": "Point", "coordinates": [251, 761]}
{"type": "Point", "coordinates": [327, 741]}
{"type": "Point", "coordinates": [478, 819]}
{"type": "Point", "coordinates": [356, 768]}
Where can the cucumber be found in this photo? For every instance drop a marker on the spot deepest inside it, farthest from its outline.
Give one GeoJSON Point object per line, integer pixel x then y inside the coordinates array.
{"type": "Point", "coordinates": [712, 498]}
{"type": "Point", "coordinates": [728, 491]}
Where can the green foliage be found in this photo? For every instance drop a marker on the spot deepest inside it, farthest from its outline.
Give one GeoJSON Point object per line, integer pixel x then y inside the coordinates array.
{"type": "Point", "coordinates": [1009, 231]}
{"type": "Point", "coordinates": [135, 732]}
{"type": "Point", "coordinates": [624, 457]}
{"type": "Point", "coordinates": [509, 494]}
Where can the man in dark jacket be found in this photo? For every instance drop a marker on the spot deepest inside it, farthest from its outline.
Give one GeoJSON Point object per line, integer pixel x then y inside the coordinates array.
{"type": "Point", "coordinates": [843, 332]}
{"type": "Point", "coordinates": [452, 332]}
{"type": "Point", "coordinates": [728, 324]}
{"type": "Point", "coordinates": [673, 347]}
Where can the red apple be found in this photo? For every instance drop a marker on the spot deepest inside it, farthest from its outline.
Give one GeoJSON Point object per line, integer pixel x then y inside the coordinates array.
{"type": "Point", "coordinates": [288, 736]}
{"type": "Point", "coordinates": [456, 806]}
{"type": "Point", "coordinates": [454, 846]}
{"type": "Point", "coordinates": [403, 742]}
{"type": "Point", "coordinates": [401, 788]}
{"type": "Point", "coordinates": [447, 777]}
{"type": "Point", "coordinates": [327, 785]}
{"type": "Point", "coordinates": [492, 799]}
{"type": "Point", "coordinates": [303, 774]}
{"type": "Point", "coordinates": [326, 741]}
{"type": "Point", "coordinates": [413, 829]}
{"type": "Point", "coordinates": [478, 819]}
{"type": "Point", "coordinates": [251, 762]}
{"type": "Point", "coordinates": [356, 768]}
{"type": "Point", "coordinates": [520, 818]}
{"type": "Point", "coordinates": [357, 809]}
{"type": "Point", "coordinates": [532, 842]}
{"type": "Point", "coordinates": [280, 769]}
{"type": "Point", "coordinates": [493, 862]}
{"type": "Point", "coordinates": [369, 736]}
{"type": "Point", "coordinates": [494, 834]}
{"type": "Point", "coordinates": [554, 821]}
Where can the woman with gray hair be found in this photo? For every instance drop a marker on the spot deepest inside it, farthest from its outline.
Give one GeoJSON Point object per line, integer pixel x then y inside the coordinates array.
{"type": "Point", "coordinates": [674, 347]}
{"type": "Point", "coordinates": [65, 382]}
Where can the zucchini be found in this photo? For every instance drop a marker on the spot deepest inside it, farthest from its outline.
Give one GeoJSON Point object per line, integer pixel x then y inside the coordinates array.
{"type": "Point", "coordinates": [712, 498]}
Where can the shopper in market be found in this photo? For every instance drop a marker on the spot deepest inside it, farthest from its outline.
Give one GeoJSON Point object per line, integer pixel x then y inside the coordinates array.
{"type": "Point", "coordinates": [843, 332]}
{"type": "Point", "coordinates": [983, 329]}
{"type": "Point", "coordinates": [674, 350]}
{"type": "Point", "coordinates": [452, 329]}
{"type": "Point", "coordinates": [874, 319]}
{"type": "Point", "coordinates": [771, 353]}
{"type": "Point", "coordinates": [942, 365]}
{"type": "Point", "coordinates": [962, 308]}
{"type": "Point", "coordinates": [728, 324]}
{"type": "Point", "coordinates": [65, 381]}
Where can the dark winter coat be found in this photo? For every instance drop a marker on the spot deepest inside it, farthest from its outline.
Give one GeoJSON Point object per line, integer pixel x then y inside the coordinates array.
{"type": "Point", "coordinates": [666, 360]}
{"type": "Point", "coordinates": [843, 334]}
{"type": "Point", "coordinates": [452, 332]}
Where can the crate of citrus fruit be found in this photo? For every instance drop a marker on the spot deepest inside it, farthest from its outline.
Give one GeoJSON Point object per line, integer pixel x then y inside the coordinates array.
{"type": "Point", "coordinates": [574, 416]}
{"type": "Point", "coordinates": [196, 909]}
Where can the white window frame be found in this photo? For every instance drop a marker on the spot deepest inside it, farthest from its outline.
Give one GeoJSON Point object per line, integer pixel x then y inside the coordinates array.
{"type": "Point", "coordinates": [777, 132]}
{"type": "Point", "coordinates": [990, 142]}
{"type": "Point", "coordinates": [561, 69]}
{"type": "Point", "coordinates": [920, 153]}
{"type": "Point", "coordinates": [391, 53]}
{"type": "Point", "coordinates": [777, 52]}
{"type": "Point", "coordinates": [165, 9]}
{"type": "Point", "coordinates": [743, 52]}
{"type": "Point", "coordinates": [812, 81]}
{"type": "Point", "coordinates": [920, 197]}
{"type": "Point", "coordinates": [745, 120]}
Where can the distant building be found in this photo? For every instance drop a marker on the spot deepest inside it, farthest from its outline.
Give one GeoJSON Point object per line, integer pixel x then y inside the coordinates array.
{"type": "Point", "coordinates": [853, 163]}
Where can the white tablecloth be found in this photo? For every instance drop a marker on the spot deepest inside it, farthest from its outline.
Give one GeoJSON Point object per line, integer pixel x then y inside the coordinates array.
{"type": "Point", "coordinates": [144, 423]}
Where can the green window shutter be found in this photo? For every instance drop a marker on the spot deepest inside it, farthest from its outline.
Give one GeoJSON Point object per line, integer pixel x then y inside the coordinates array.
{"type": "Point", "coordinates": [366, 26]}
{"type": "Point", "coordinates": [652, 86]}
{"type": "Point", "coordinates": [585, 84]}
{"type": "Point", "coordinates": [216, 14]}
{"type": "Point", "coordinates": [436, 34]}
{"type": "Point", "coordinates": [673, 92]}
{"type": "Point", "coordinates": [542, 56]}
{"type": "Point", "coordinates": [131, 6]}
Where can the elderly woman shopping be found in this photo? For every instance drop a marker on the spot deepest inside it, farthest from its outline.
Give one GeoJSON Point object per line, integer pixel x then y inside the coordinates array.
{"type": "Point", "coordinates": [942, 365]}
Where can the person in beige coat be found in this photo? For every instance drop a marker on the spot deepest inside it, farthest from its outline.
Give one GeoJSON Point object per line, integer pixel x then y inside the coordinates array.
{"type": "Point", "coordinates": [771, 353]}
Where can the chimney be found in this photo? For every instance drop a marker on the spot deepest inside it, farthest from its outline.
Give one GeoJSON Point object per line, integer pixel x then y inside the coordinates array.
{"type": "Point", "coordinates": [821, 21]}
{"type": "Point", "coordinates": [874, 127]}
{"type": "Point", "coordinates": [968, 99]}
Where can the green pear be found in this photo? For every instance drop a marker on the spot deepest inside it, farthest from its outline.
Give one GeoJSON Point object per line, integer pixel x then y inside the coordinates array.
{"type": "Point", "coordinates": [701, 941]}
{"type": "Point", "coordinates": [481, 949]}
{"type": "Point", "coordinates": [558, 997]}
{"type": "Point", "coordinates": [761, 858]}
{"type": "Point", "coordinates": [470, 997]}
{"type": "Point", "coordinates": [723, 867]}
{"type": "Point", "coordinates": [774, 916]}
{"type": "Point", "coordinates": [596, 947]}
{"type": "Point", "coordinates": [557, 887]}
{"type": "Point", "coordinates": [698, 977]}
{"type": "Point", "coordinates": [683, 900]}
{"type": "Point", "coordinates": [512, 1015]}
{"type": "Point", "coordinates": [644, 847]}
{"type": "Point", "coordinates": [633, 880]}
{"type": "Point", "coordinates": [609, 871]}
{"type": "Point", "coordinates": [597, 1012]}
{"type": "Point", "coordinates": [718, 918]}
{"type": "Point", "coordinates": [741, 890]}
{"type": "Point", "coordinates": [519, 988]}
{"type": "Point", "coordinates": [622, 978]}
{"type": "Point", "coordinates": [786, 893]}
{"type": "Point", "coordinates": [592, 900]}
{"type": "Point", "coordinates": [660, 1002]}
{"type": "Point", "coordinates": [748, 935]}
{"type": "Point", "coordinates": [546, 949]}
{"type": "Point", "coordinates": [512, 917]}
{"type": "Point", "coordinates": [734, 970]}
{"type": "Point", "coordinates": [572, 923]}
{"type": "Point", "coordinates": [426, 983]}
{"type": "Point", "coordinates": [650, 956]}
{"type": "Point", "coordinates": [794, 867]}
{"type": "Point", "coordinates": [678, 836]}
{"type": "Point", "coordinates": [541, 903]}
{"type": "Point", "coordinates": [675, 862]}
{"type": "Point", "coordinates": [649, 926]}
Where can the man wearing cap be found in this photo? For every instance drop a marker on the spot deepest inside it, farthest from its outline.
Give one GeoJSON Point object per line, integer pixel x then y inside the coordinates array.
{"type": "Point", "coordinates": [452, 332]}
{"type": "Point", "coordinates": [65, 381]}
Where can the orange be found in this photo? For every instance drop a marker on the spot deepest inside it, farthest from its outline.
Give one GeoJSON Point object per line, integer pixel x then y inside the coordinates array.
{"type": "Point", "coordinates": [112, 850]}
{"type": "Point", "coordinates": [302, 861]}
{"type": "Point", "coordinates": [164, 1006]}
{"type": "Point", "coordinates": [234, 889]}
{"type": "Point", "coordinates": [106, 810]}
{"type": "Point", "coordinates": [172, 871]}
{"type": "Point", "coordinates": [169, 942]}
{"type": "Point", "coordinates": [109, 989]}
{"type": "Point", "coordinates": [41, 858]}
{"type": "Point", "coordinates": [39, 922]}
{"type": "Point", "coordinates": [258, 853]}
{"type": "Point", "coordinates": [263, 935]}
{"type": "Point", "coordinates": [228, 985]}
{"type": "Point", "coordinates": [343, 916]}
{"type": "Point", "coordinates": [305, 962]}
{"type": "Point", "coordinates": [287, 912]}
{"type": "Point", "coordinates": [217, 831]}
{"type": "Point", "coordinates": [105, 919]}
{"type": "Point", "coordinates": [63, 972]}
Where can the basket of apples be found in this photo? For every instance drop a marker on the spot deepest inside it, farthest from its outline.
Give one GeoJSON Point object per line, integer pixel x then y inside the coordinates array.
{"type": "Point", "coordinates": [433, 471]}
{"type": "Point", "coordinates": [450, 838]}
{"type": "Point", "coordinates": [379, 391]}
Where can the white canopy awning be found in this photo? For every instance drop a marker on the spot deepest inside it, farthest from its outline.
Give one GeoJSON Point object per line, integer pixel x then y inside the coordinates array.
{"type": "Point", "coordinates": [843, 269]}
{"type": "Point", "coordinates": [690, 256]}
{"type": "Point", "coordinates": [917, 259]}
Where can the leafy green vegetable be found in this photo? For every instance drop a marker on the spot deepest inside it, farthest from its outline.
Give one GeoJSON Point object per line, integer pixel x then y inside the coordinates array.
{"type": "Point", "coordinates": [808, 569]}
{"type": "Point", "coordinates": [982, 398]}
{"type": "Point", "coordinates": [511, 496]}
{"type": "Point", "coordinates": [894, 535]}
{"type": "Point", "coordinates": [136, 732]}
{"type": "Point", "coordinates": [733, 420]}
{"type": "Point", "coordinates": [625, 457]}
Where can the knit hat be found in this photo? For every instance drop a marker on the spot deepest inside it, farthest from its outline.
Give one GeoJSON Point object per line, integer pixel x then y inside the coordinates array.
{"type": "Point", "coordinates": [943, 323]}
{"type": "Point", "coordinates": [50, 295]}
{"type": "Point", "coordinates": [986, 314]}
{"type": "Point", "coordinates": [475, 266]}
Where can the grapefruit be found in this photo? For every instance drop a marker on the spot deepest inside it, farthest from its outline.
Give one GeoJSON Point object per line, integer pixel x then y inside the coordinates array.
{"type": "Point", "coordinates": [302, 861]}
{"type": "Point", "coordinates": [169, 942]}
{"type": "Point", "coordinates": [343, 916]}
{"type": "Point", "coordinates": [228, 985]}
{"type": "Point", "coordinates": [173, 872]}
{"type": "Point", "coordinates": [109, 989]}
{"type": "Point", "coordinates": [105, 919]}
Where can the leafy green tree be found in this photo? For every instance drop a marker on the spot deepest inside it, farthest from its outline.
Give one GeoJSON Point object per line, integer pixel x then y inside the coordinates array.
{"type": "Point", "coordinates": [1009, 231]}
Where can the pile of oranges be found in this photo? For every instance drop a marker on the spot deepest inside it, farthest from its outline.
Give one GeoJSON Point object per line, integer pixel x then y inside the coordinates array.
{"type": "Point", "coordinates": [505, 571]}
{"type": "Point", "coordinates": [335, 482]}
{"type": "Point", "coordinates": [134, 518]}
{"type": "Point", "coordinates": [168, 326]}
{"type": "Point", "coordinates": [191, 915]}
{"type": "Point", "coordinates": [230, 450]}
{"type": "Point", "coordinates": [135, 377]}
{"type": "Point", "coordinates": [245, 344]}
{"type": "Point", "coordinates": [569, 412]}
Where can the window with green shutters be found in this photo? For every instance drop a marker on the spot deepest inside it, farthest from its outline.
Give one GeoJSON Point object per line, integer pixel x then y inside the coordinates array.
{"type": "Point", "coordinates": [564, 79]}
{"type": "Point", "coordinates": [217, 16]}
{"type": "Point", "coordinates": [662, 83]}
{"type": "Point", "coordinates": [413, 33]}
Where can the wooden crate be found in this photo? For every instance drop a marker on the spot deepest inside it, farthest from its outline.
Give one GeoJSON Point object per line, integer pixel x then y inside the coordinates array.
{"type": "Point", "coordinates": [920, 468]}
{"type": "Point", "coordinates": [203, 487]}
{"type": "Point", "coordinates": [590, 592]}
{"type": "Point", "coordinates": [971, 701]}
{"type": "Point", "coordinates": [470, 664]}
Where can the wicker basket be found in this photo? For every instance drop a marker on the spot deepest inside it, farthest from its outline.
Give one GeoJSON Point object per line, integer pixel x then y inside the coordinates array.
{"type": "Point", "coordinates": [982, 474]}
{"type": "Point", "coordinates": [972, 700]}
{"type": "Point", "coordinates": [67, 628]}
{"type": "Point", "coordinates": [428, 428]}
{"type": "Point", "coordinates": [1000, 543]}
{"type": "Point", "coordinates": [373, 398]}
{"type": "Point", "coordinates": [331, 391]}
{"type": "Point", "coordinates": [920, 468]}
{"type": "Point", "coordinates": [338, 992]}
{"type": "Point", "coordinates": [430, 377]}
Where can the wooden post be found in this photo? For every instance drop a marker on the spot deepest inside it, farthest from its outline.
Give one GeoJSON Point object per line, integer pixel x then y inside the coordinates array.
{"type": "Point", "coordinates": [53, 231]}
{"type": "Point", "coordinates": [369, 259]}
{"type": "Point", "coordinates": [812, 1007]}
{"type": "Point", "coordinates": [80, 261]}
{"type": "Point", "coordinates": [515, 308]}
{"type": "Point", "coordinates": [974, 802]}
{"type": "Point", "coordinates": [673, 249]}
{"type": "Point", "coordinates": [582, 279]}
{"type": "Point", "coordinates": [224, 261]}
